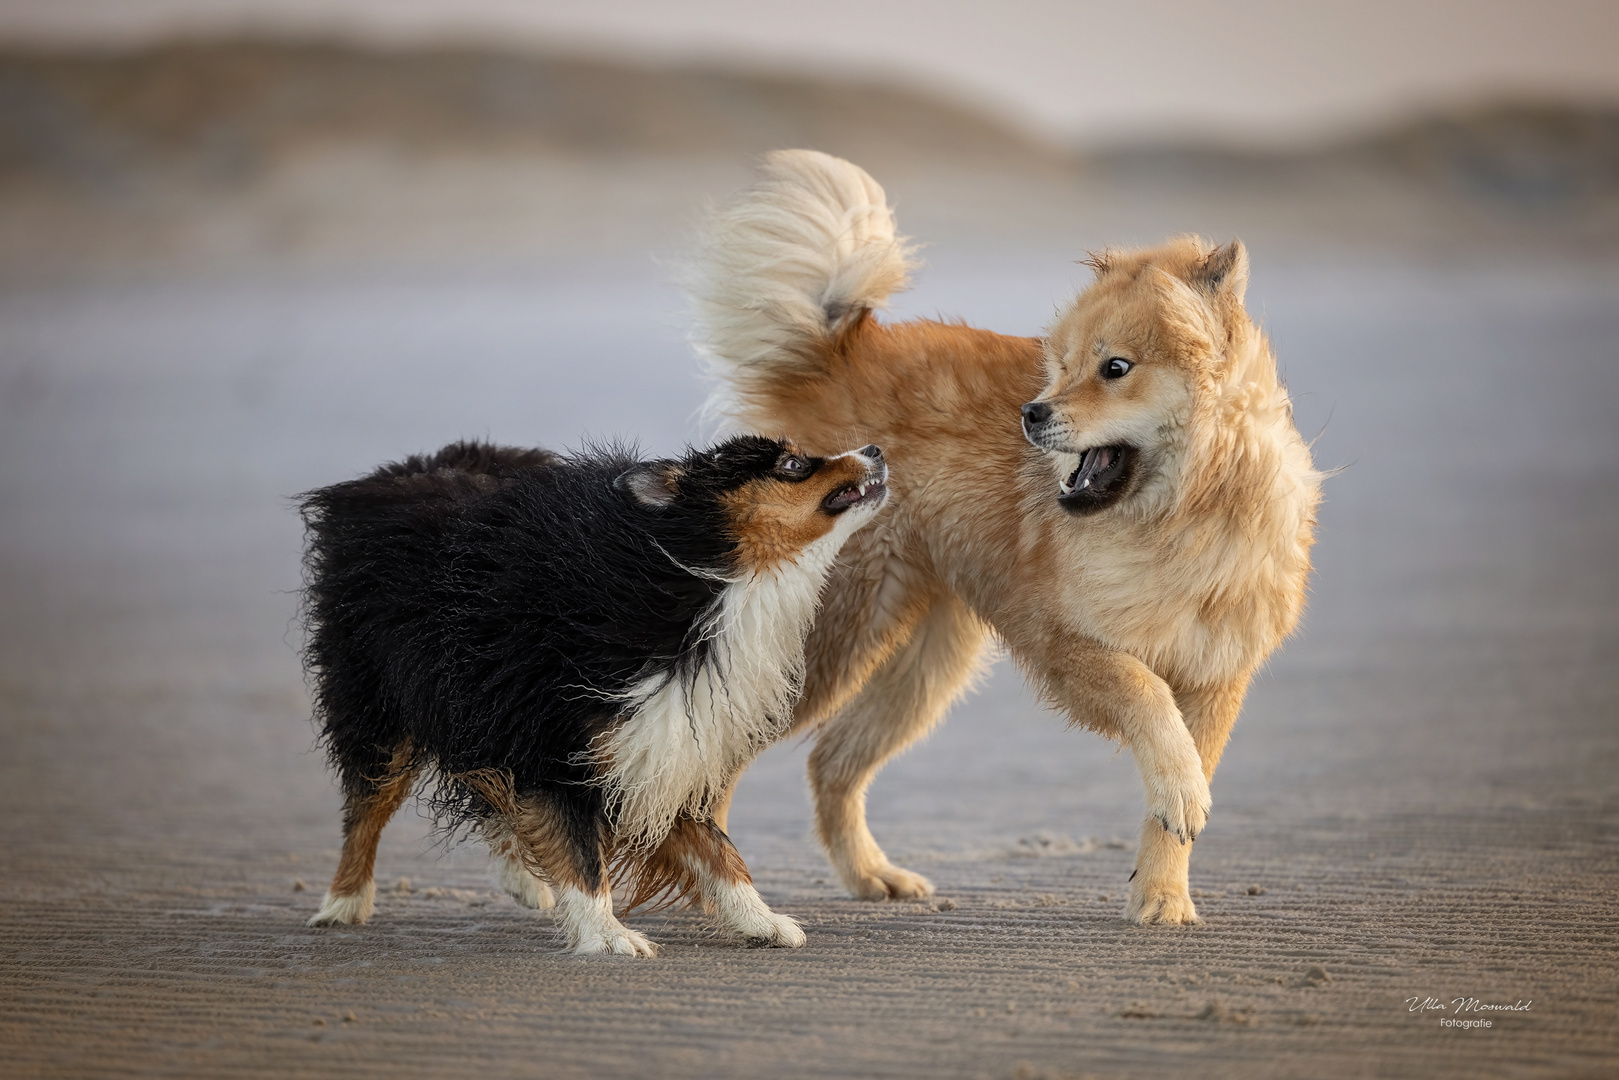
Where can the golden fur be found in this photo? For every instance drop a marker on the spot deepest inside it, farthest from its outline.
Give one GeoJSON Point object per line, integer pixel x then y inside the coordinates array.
{"type": "Point", "coordinates": [1142, 621]}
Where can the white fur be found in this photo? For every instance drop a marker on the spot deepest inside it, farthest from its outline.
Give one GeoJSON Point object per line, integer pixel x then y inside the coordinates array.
{"type": "Point", "coordinates": [741, 912]}
{"type": "Point", "coordinates": [520, 884]}
{"type": "Point", "coordinates": [686, 738]}
{"type": "Point", "coordinates": [349, 910]}
{"type": "Point", "coordinates": [588, 925]}
{"type": "Point", "coordinates": [511, 872]}
{"type": "Point", "coordinates": [810, 247]}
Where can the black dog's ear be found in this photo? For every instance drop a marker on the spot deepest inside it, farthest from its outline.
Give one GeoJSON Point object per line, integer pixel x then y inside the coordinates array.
{"type": "Point", "coordinates": [654, 484]}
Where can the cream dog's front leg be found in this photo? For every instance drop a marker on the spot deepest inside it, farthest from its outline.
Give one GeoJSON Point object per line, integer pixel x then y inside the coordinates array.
{"type": "Point", "coordinates": [1159, 890]}
{"type": "Point", "coordinates": [1117, 695]}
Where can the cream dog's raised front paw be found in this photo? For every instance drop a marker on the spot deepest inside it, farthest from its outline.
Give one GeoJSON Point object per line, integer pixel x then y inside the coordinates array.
{"type": "Point", "coordinates": [1183, 811]}
{"type": "Point", "coordinates": [1177, 794]}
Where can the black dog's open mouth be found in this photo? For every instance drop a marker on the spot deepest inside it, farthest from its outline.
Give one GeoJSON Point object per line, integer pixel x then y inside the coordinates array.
{"type": "Point", "coordinates": [1099, 478]}
{"type": "Point", "coordinates": [868, 490]}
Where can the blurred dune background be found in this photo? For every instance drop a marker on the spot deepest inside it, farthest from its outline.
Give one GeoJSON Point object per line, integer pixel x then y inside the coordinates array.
{"type": "Point", "coordinates": [249, 247]}
{"type": "Point", "coordinates": [214, 133]}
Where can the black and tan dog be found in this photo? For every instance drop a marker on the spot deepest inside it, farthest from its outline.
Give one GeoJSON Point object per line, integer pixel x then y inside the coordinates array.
{"type": "Point", "coordinates": [584, 652]}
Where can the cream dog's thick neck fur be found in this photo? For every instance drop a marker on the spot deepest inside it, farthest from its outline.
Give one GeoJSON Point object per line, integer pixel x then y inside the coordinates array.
{"type": "Point", "coordinates": [1143, 621]}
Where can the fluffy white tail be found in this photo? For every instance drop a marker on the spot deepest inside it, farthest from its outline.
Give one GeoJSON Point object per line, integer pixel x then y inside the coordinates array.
{"type": "Point", "coordinates": [786, 265]}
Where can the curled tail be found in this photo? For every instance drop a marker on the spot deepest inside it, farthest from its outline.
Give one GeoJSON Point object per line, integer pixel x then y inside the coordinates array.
{"type": "Point", "coordinates": [788, 265]}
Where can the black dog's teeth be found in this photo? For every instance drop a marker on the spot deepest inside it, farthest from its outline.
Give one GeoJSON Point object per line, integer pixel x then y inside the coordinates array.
{"type": "Point", "coordinates": [845, 497]}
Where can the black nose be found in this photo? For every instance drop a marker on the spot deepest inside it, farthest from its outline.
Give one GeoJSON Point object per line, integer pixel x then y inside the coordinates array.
{"type": "Point", "coordinates": [872, 451]}
{"type": "Point", "coordinates": [1036, 412]}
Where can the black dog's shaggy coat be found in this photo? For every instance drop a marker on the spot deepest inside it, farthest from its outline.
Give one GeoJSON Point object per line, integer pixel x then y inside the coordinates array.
{"type": "Point", "coordinates": [455, 599]}
{"type": "Point", "coordinates": [489, 615]}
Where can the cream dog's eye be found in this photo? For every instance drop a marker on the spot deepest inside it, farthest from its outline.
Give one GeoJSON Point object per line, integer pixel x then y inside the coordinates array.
{"type": "Point", "coordinates": [1116, 368]}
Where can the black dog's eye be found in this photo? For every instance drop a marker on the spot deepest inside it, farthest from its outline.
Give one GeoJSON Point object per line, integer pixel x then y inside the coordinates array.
{"type": "Point", "coordinates": [1116, 368]}
{"type": "Point", "coordinates": [795, 467]}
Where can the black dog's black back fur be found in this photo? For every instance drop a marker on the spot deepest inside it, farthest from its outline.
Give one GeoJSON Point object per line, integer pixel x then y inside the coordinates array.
{"type": "Point", "coordinates": [483, 604]}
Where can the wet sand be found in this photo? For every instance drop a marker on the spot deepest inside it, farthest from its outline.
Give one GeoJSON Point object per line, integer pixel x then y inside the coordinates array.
{"type": "Point", "coordinates": [1419, 801]}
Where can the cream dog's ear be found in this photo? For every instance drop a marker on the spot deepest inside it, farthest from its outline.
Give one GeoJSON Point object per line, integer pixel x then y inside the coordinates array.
{"type": "Point", "coordinates": [1224, 271]}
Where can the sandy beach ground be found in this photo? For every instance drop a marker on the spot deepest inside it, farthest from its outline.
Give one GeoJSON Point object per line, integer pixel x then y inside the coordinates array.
{"type": "Point", "coordinates": [1419, 803]}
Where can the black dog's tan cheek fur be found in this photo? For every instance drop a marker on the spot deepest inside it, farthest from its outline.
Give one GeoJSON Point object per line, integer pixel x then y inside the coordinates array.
{"type": "Point", "coordinates": [773, 520]}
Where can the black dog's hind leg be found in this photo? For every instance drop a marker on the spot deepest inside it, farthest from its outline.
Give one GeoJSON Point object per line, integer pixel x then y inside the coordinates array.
{"type": "Point", "coordinates": [365, 812]}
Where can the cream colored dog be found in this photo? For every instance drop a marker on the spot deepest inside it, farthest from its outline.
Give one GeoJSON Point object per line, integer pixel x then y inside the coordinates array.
{"type": "Point", "coordinates": [1126, 503]}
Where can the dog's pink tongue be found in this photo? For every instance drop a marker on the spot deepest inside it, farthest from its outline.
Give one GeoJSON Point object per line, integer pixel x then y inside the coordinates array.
{"type": "Point", "coordinates": [1096, 459]}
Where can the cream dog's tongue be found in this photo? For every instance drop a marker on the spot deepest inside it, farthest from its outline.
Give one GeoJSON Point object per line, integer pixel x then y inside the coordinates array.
{"type": "Point", "coordinates": [1092, 462]}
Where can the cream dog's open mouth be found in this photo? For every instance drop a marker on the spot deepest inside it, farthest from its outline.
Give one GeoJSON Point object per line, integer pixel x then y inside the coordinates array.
{"type": "Point", "coordinates": [1098, 478]}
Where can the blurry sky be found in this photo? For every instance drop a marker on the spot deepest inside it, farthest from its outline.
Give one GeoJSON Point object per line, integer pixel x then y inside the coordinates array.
{"type": "Point", "coordinates": [1259, 70]}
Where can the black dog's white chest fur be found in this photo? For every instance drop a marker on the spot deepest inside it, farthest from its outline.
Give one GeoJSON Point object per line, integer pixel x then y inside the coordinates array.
{"type": "Point", "coordinates": [685, 736]}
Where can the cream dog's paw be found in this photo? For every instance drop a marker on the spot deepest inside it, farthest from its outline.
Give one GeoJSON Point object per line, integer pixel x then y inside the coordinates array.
{"type": "Point", "coordinates": [1161, 905]}
{"type": "Point", "coordinates": [888, 882]}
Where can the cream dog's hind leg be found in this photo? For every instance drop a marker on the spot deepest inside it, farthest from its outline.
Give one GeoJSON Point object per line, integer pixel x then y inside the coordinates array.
{"type": "Point", "coordinates": [901, 702]}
